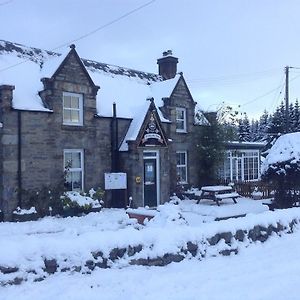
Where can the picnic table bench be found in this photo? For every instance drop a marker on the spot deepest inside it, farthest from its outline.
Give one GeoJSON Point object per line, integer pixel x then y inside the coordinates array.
{"type": "Point", "coordinates": [213, 192]}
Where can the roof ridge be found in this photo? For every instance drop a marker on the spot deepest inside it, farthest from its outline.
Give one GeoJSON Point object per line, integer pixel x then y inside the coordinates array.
{"type": "Point", "coordinates": [39, 56]}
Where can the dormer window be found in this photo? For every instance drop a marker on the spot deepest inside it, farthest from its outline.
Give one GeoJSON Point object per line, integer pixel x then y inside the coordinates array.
{"type": "Point", "coordinates": [72, 109]}
{"type": "Point", "coordinates": [180, 119]}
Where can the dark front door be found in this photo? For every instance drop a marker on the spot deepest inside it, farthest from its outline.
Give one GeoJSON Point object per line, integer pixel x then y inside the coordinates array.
{"type": "Point", "coordinates": [150, 186]}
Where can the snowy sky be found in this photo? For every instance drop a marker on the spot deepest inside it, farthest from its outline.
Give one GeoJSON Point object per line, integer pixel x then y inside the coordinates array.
{"type": "Point", "coordinates": [229, 50]}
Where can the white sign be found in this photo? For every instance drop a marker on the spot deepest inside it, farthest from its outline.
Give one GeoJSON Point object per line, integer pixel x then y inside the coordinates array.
{"type": "Point", "coordinates": [115, 181]}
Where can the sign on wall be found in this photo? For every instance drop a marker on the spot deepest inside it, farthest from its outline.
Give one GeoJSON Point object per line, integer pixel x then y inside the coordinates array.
{"type": "Point", "coordinates": [153, 135]}
{"type": "Point", "coordinates": [115, 181]}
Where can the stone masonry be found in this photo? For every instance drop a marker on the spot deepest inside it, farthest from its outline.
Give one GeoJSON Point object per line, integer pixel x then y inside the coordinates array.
{"type": "Point", "coordinates": [44, 138]}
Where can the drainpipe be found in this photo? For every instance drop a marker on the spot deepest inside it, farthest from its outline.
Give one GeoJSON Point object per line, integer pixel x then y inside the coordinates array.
{"type": "Point", "coordinates": [115, 144]}
{"type": "Point", "coordinates": [19, 159]}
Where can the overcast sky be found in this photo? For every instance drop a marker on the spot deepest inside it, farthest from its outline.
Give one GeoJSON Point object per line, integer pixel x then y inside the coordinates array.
{"type": "Point", "coordinates": [231, 51]}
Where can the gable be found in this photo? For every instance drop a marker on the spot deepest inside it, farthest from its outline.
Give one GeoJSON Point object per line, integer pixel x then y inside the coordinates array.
{"type": "Point", "coordinates": [152, 133]}
{"type": "Point", "coordinates": [145, 128]}
{"type": "Point", "coordinates": [72, 69]}
{"type": "Point", "coordinates": [181, 90]}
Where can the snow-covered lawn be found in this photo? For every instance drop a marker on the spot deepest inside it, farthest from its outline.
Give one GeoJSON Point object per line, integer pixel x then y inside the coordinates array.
{"type": "Point", "coordinates": [262, 271]}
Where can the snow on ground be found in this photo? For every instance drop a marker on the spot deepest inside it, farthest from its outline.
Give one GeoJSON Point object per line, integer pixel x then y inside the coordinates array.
{"type": "Point", "coordinates": [208, 211]}
{"type": "Point", "coordinates": [262, 271]}
{"type": "Point", "coordinates": [71, 240]}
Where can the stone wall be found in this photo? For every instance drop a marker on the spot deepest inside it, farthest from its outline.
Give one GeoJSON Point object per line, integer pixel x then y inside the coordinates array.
{"type": "Point", "coordinates": [223, 243]}
{"type": "Point", "coordinates": [8, 153]}
{"type": "Point", "coordinates": [44, 138]}
{"type": "Point", "coordinates": [181, 97]}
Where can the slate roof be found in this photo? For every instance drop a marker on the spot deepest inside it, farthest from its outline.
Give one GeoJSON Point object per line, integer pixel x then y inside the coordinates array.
{"type": "Point", "coordinates": [39, 56]}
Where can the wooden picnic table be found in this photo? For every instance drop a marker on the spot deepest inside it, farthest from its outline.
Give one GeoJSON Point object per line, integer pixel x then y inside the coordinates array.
{"type": "Point", "coordinates": [215, 193]}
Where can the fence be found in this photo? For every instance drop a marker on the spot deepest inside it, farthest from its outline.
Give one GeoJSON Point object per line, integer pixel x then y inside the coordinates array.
{"type": "Point", "coordinates": [246, 188]}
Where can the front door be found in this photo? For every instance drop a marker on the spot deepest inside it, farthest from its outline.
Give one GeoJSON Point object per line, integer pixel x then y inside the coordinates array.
{"type": "Point", "coordinates": [150, 182]}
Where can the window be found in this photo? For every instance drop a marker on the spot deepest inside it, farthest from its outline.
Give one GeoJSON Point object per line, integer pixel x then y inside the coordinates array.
{"type": "Point", "coordinates": [72, 109]}
{"type": "Point", "coordinates": [241, 165]}
{"type": "Point", "coordinates": [180, 119]}
{"type": "Point", "coordinates": [181, 166]}
{"type": "Point", "coordinates": [73, 166]}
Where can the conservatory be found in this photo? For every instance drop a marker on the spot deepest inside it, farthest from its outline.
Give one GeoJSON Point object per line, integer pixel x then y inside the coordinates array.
{"type": "Point", "coordinates": [242, 162]}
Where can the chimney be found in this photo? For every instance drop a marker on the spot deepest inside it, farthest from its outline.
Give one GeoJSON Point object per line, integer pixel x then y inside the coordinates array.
{"type": "Point", "coordinates": [6, 96]}
{"type": "Point", "coordinates": [167, 65]}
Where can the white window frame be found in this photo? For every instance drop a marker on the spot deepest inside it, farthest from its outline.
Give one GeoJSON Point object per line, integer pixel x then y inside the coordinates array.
{"type": "Point", "coordinates": [243, 156]}
{"type": "Point", "coordinates": [185, 166]}
{"type": "Point", "coordinates": [180, 110]}
{"type": "Point", "coordinates": [80, 109]}
{"type": "Point", "coordinates": [81, 169]}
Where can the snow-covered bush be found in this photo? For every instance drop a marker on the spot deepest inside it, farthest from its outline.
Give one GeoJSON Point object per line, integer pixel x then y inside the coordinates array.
{"type": "Point", "coordinates": [282, 168]}
{"type": "Point", "coordinates": [43, 198]}
{"type": "Point", "coordinates": [97, 194]}
{"type": "Point", "coordinates": [169, 214]}
{"type": "Point", "coordinates": [257, 194]}
{"type": "Point", "coordinates": [77, 203]}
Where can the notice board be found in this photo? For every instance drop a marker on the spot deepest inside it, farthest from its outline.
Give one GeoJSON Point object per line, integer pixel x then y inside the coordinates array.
{"type": "Point", "coordinates": [115, 181]}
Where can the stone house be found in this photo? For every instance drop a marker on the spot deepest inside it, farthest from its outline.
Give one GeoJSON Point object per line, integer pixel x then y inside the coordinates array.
{"type": "Point", "coordinates": [64, 113]}
{"type": "Point", "coordinates": [60, 114]}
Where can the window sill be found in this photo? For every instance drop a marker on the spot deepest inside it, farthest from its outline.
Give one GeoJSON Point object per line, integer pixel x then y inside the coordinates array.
{"type": "Point", "coordinates": [72, 124]}
{"type": "Point", "coordinates": [181, 131]}
{"type": "Point", "coordinates": [73, 127]}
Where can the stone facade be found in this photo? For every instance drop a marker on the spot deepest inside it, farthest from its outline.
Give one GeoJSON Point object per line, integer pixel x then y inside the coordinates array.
{"type": "Point", "coordinates": [33, 143]}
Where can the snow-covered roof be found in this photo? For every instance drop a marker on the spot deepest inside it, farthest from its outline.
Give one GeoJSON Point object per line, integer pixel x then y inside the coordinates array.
{"type": "Point", "coordinates": [24, 66]}
{"type": "Point", "coordinates": [285, 149]}
{"type": "Point", "coordinates": [237, 145]}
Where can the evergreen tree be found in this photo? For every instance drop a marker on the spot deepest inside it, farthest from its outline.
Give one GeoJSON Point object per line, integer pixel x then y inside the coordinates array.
{"type": "Point", "coordinates": [291, 117]}
{"type": "Point", "coordinates": [254, 130]}
{"type": "Point", "coordinates": [296, 117]}
{"type": "Point", "coordinates": [244, 129]}
{"type": "Point", "coordinates": [263, 127]}
{"type": "Point", "coordinates": [210, 144]}
{"type": "Point", "coordinates": [277, 125]}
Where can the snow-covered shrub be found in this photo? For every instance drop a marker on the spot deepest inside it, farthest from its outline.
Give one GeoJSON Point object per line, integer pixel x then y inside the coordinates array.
{"type": "Point", "coordinates": [19, 211]}
{"type": "Point", "coordinates": [175, 200]}
{"type": "Point", "coordinates": [97, 194]}
{"type": "Point", "coordinates": [43, 198]}
{"type": "Point", "coordinates": [168, 214]}
{"type": "Point", "coordinates": [256, 194]}
{"type": "Point", "coordinates": [76, 203]}
{"type": "Point", "coordinates": [23, 215]}
{"type": "Point", "coordinates": [282, 168]}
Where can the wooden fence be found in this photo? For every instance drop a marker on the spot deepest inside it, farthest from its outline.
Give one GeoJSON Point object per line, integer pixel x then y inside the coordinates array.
{"type": "Point", "coordinates": [246, 188]}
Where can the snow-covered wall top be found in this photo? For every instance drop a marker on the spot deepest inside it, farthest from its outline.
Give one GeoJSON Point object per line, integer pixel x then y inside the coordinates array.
{"type": "Point", "coordinates": [285, 149]}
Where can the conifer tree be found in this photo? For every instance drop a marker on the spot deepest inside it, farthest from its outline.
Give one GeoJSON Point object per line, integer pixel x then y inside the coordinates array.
{"type": "Point", "coordinates": [244, 129]}
{"type": "Point", "coordinates": [277, 121]}
{"type": "Point", "coordinates": [296, 117]}
{"type": "Point", "coordinates": [254, 130]}
{"type": "Point", "coordinates": [263, 127]}
{"type": "Point", "coordinates": [291, 118]}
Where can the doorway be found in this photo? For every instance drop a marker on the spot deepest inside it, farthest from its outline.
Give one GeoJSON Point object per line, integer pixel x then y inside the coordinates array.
{"type": "Point", "coordinates": [151, 178]}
